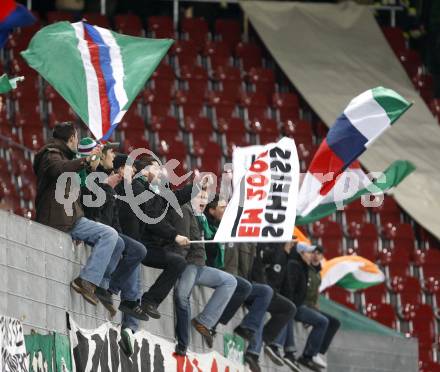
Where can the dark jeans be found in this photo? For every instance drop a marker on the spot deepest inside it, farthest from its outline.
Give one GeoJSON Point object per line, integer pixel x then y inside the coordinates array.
{"type": "Point", "coordinates": [281, 310]}
{"type": "Point", "coordinates": [324, 328]}
{"type": "Point", "coordinates": [125, 277]}
{"type": "Point", "coordinates": [172, 265]}
{"type": "Point", "coordinates": [257, 303]}
{"type": "Point", "coordinates": [241, 293]}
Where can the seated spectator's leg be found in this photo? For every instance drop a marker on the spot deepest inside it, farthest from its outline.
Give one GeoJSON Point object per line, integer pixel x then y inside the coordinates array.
{"type": "Point", "coordinates": [256, 344]}
{"type": "Point", "coordinates": [172, 264]}
{"type": "Point", "coordinates": [114, 262]}
{"type": "Point", "coordinates": [182, 295]}
{"type": "Point", "coordinates": [241, 292]}
{"type": "Point", "coordinates": [281, 310]}
{"type": "Point", "coordinates": [130, 291]}
{"type": "Point", "coordinates": [224, 285]}
{"type": "Point", "coordinates": [103, 239]}
{"type": "Point", "coordinates": [332, 329]}
{"type": "Point", "coordinates": [257, 303]}
{"type": "Point", "coordinates": [289, 343]}
{"type": "Point", "coordinates": [132, 256]}
{"type": "Point", "coordinates": [319, 325]}
{"type": "Point", "coordinates": [280, 340]}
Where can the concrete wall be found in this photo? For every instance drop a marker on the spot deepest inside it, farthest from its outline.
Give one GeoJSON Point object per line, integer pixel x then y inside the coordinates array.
{"type": "Point", "coordinates": [37, 264]}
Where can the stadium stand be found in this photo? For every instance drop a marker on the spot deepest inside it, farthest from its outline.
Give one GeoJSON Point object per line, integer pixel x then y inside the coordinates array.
{"type": "Point", "coordinates": [214, 91]}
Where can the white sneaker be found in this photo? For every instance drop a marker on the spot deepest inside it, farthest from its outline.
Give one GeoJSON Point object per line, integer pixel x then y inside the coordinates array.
{"type": "Point", "coordinates": [319, 359]}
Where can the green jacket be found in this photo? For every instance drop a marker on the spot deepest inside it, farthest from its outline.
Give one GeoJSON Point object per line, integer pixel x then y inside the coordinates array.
{"type": "Point", "coordinates": [313, 283]}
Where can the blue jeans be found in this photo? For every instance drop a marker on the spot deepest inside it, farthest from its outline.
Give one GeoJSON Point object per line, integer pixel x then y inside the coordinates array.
{"type": "Point", "coordinates": [281, 310]}
{"type": "Point", "coordinates": [224, 285]}
{"type": "Point", "coordinates": [319, 323]}
{"type": "Point", "coordinates": [104, 240]}
{"type": "Point", "coordinates": [286, 339]}
{"type": "Point", "coordinates": [126, 277]}
{"type": "Point", "coordinates": [257, 303]}
{"type": "Point", "coordinates": [240, 294]}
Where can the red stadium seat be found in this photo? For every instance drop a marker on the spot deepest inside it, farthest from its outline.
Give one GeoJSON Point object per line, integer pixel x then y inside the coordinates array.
{"type": "Point", "coordinates": [427, 256]}
{"type": "Point", "coordinates": [161, 91]}
{"type": "Point", "coordinates": [234, 139]}
{"type": "Point", "coordinates": [97, 19]}
{"type": "Point", "coordinates": [210, 164]}
{"type": "Point", "coordinates": [195, 29]}
{"type": "Point", "coordinates": [397, 254]}
{"type": "Point", "coordinates": [376, 294]}
{"type": "Point", "coordinates": [198, 125]}
{"type": "Point", "coordinates": [341, 296]}
{"type": "Point", "coordinates": [263, 80]}
{"type": "Point", "coordinates": [355, 213]}
{"type": "Point", "coordinates": [175, 149]}
{"type": "Point", "coordinates": [229, 31]}
{"type": "Point", "coordinates": [132, 120]}
{"type": "Point", "coordinates": [429, 366]}
{"type": "Point", "coordinates": [33, 141]}
{"type": "Point", "coordinates": [128, 24]}
{"type": "Point", "coordinates": [267, 137]}
{"type": "Point", "coordinates": [186, 52]}
{"type": "Point", "coordinates": [368, 249]}
{"type": "Point", "coordinates": [164, 124]}
{"type": "Point", "coordinates": [249, 55]}
{"type": "Point", "coordinates": [159, 110]}
{"type": "Point", "coordinates": [401, 231]}
{"type": "Point", "coordinates": [218, 52]}
{"type": "Point", "coordinates": [195, 79]}
{"type": "Point", "coordinates": [59, 15]}
{"type": "Point", "coordinates": [382, 313]}
{"type": "Point", "coordinates": [330, 235]}
{"type": "Point", "coordinates": [411, 61]}
{"type": "Point", "coordinates": [408, 290]}
{"type": "Point", "coordinates": [423, 324]}
{"type": "Point", "coordinates": [161, 27]}
{"type": "Point", "coordinates": [263, 126]}
{"type": "Point", "coordinates": [395, 38]}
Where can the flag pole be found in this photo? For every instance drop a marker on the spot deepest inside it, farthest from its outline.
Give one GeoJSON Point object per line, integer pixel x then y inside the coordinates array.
{"type": "Point", "coordinates": [248, 241]}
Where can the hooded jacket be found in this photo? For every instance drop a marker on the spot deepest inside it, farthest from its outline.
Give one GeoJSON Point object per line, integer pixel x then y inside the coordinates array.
{"type": "Point", "coordinates": [50, 162]}
{"type": "Point", "coordinates": [296, 280]}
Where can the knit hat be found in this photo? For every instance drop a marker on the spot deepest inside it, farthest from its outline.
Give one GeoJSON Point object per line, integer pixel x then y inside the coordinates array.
{"type": "Point", "coordinates": [85, 146]}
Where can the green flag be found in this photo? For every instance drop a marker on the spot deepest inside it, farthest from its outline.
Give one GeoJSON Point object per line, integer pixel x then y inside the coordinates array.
{"type": "Point", "coordinates": [392, 176]}
{"type": "Point", "coordinates": [7, 84]}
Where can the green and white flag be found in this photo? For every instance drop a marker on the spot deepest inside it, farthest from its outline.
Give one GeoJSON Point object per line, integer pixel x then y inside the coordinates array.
{"type": "Point", "coordinates": [356, 184]}
{"type": "Point", "coordinates": [7, 84]}
{"type": "Point", "coordinates": [97, 71]}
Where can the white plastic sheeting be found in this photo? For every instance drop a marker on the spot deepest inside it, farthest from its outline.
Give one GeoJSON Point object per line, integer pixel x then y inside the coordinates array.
{"type": "Point", "coordinates": [331, 53]}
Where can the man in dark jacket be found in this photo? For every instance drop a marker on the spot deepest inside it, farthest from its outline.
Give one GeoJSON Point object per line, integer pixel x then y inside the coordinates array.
{"type": "Point", "coordinates": [197, 273]}
{"type": "Point", "coordinates": [270, 267]}
{"type": "Point", "coordinates": [126, 271]}
{"type": "Point", "coordinates": [237, 260]}
{"type": "Point", "coordinates": [55, 166]}
{"type": "Point", "coordinates": [296, 288]}
{"type": "Point", "coordinates": [153, 230]}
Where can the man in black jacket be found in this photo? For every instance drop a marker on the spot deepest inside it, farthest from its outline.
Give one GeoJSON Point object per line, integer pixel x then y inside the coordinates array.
{"type": "Point", "coordinates": [101, 206]}
{"type": "Point", "coordinates": [295, 288]}
{"type": "Point", "coordinates": [270, 267]}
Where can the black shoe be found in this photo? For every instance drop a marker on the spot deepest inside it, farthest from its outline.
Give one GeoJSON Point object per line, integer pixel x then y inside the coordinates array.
{"type": "Point", "coordinates": [205, 332]}
{"type": "Point", "coordinates": [252, 361]}
{"type": "Point", "coordinates": [106, 299]}
{"type": "Point", "coordinates": [180, 350]}
{"type": "Point", "coordinates": [274, 354]}
{"type": "Point", "coordinates": [132, 308]}
{"type": "Point", "coordinates": [309, 363]}
{"type": "Point", "coordinates": [150, 308]}
{"type": "Point", "coordinates": [246, 333]}
{"type": "Point", "coordinates": [290, 361]}
{"type": "Point", "coordinates": [126, 343]}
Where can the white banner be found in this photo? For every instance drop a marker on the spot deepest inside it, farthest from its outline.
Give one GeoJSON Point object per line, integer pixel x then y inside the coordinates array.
{"type": "Point", "coordinates": [13, 357]}
{"type": "Point", "coordinates": [97, 350]}
{"type": "Point", "coordinates": [263, 204]}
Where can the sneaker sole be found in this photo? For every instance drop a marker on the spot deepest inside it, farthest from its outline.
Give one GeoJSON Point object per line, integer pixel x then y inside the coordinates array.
{"type": "Point", "coordinates": [128, 311]}
{"type": "Point", "coordinates": [273, 357]}
{"type": "Point", "coordinates": [85, 294]}
{"type": "Point", "coordinates": [151, 314]}
{"type": "Point", "coordinates": [292, 366]}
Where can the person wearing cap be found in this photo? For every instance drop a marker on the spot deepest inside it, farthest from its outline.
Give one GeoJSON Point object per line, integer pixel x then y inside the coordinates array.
{"type": "Point", "coordinates": [311, 301]}
{"type": "Point", "coordinates": [269, 267]}
{"type": "Point", "coordinates": [56, 158]}
{"type": "Point", "coordinates": [124, 268]}
{"type": "Point", "coordinates": [296, 289]}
